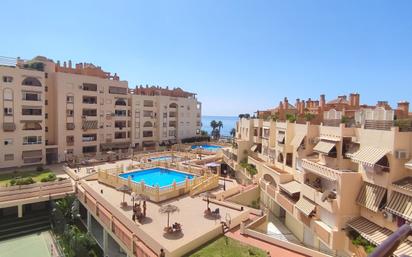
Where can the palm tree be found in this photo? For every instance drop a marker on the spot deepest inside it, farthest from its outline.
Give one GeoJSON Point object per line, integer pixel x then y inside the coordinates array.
{"type": "Point", "coordinates": [219, 125]}
{"type": "Point", "coordinates": [76, 242]}
{"type": "Point", "coordinates": [233, 132]}
{"type": "Point", "coordinates": [214, 125]}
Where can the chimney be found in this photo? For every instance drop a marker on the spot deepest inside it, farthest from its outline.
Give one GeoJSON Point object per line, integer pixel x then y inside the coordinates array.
{"type": "Point", "coordinates": [309, 103]}
{"type": "Point", "coordinates": [354, 100]}
{"type": "Point", "coordinates": [404, 107]}
{"type": "Point", "coordinates": [322, 101]}
{"type": "Point", "coordinates": [302, 106]}
{"type": "Point", "coordinates": [285, 103]}
{"type": "Point", "coordinates": [70, 64]}
{"type": "Point", "coordinates": [297, 105]}
{"type": "Point", "coordinates": [64, 64]}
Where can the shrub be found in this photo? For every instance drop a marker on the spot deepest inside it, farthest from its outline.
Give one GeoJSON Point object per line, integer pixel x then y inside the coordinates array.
{"type": "Point", "coordinates": [25, 181]}
{"type": "Point", "coordinates": [51, 177]}
{"type": "Point", "coordinates": [12, 182]}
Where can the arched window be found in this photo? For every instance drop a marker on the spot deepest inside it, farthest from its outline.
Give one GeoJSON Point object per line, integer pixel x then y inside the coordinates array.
{"type": "Point", "coordinates": [147, 124]}
{"type": "Point", "coordinates": [173, 105]}
{"type": "Point", "coordinates": [31, 81]}
{"type": "Point", "coordinates": [280, 157]}
{"type": "Point", "coordinates": [120, 101]}
{"type": "Point", "coordinates": [270, 179]}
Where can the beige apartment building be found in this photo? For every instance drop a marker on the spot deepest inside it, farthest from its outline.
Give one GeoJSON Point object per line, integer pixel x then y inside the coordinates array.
{"type": "Point", "coordinates": [55, 112]}
{"type": "Point", "coordinates": [330, 178]}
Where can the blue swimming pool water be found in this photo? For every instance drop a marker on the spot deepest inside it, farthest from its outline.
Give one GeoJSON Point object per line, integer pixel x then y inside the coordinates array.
{"type": "Point", "coordinates": [157, 176]}
{"type": "Point", "coordinates": [161, 158]}
{"type": "Point", "coordinates": [207, 147]}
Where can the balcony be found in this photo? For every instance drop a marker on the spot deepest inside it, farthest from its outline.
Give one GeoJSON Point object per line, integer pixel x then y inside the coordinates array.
{"type": "Point", "coordinates": [89, 100]}
{"type": "Point", "coordinates": [31, 114]}
{"type": "Point", "coordinates": [322, 170]}
{"type": "Point", "coordinates": [279, 175]}
{"type": "Point", "coordinates": [70, 126]}
{"type": "Point", "coordinates": [285, 202]}
{"type": "Point", "coordinates": [9, 126]}
{"type": "Point", "coordinates": [329, 204]}
{"type": "Point", "coordinates": [89, 124]}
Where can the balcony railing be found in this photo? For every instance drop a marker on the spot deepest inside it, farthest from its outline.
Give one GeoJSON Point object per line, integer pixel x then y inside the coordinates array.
{"type": "Point", "coordinates": [321, 170]}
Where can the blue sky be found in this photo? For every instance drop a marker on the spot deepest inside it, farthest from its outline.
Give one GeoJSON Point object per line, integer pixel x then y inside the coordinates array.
{"type": "Point", "coordinates": [239, 56]}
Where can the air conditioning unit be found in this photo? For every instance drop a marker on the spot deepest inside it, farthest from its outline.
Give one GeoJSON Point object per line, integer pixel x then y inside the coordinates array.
{"type": "Point", "coordinates": [388, 216]}
{"type": "Point", "coordinates": [313, 140]}
{"type": "Point", "coordinates": [401, 154]}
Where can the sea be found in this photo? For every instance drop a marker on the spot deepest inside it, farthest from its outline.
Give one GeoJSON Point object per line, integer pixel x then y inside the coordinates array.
{"type": "Point", "coordinates": [229, 122]}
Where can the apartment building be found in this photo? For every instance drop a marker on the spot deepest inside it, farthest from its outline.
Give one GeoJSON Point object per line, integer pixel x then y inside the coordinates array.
{"type": "Point", "coordinates": [22, 116]}
{"type": "Point", "coordinates": [164, 116]}
{"type": "Point", "coordinates": [329, 181]}
{"type": "Point", "coordinates": [55, 112]}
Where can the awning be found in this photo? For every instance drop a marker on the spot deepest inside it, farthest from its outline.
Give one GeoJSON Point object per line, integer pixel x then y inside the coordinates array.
{"type": "Point", "coordinates": [110, 146]}
{"type": "Point", "coordinates": [376, 234]}
{"type": "Point", "coordinates": [371, 196]}
{"type": "Point", "coordinates": [330, 138]}
{"type": "Point", "coordinates": [405, 184]}
{"type": "Point", "coordinates": [324, 146]}
{"type": "Point", "coordinates": [305, 206]}
{"type": "Point", "coordinates": [369, 155]}
{"type": "Point", "coordinates": [291, 187]}
{"type": "Point", "coordinates": [32, 154]}
{"type": "Point", "coordinates": [253, 148]}
{"type": "Point", "coordinates": [408, 165]}
{"type": "Point", "coordinates": [400, 205]}
{"type": "Point", "coordinates": [89, 124]}
{"type": "Point", "coordinates": [297, 140]}
{"type": "Point", "coordinates": [280, 138]}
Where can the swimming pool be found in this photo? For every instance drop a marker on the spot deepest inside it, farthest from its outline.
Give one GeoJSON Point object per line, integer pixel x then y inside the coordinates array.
{"type": "Point", "coordinates": [157, 176]}
{"type": "Point", "coordinates": [206, 147]}
{"type": "Point", "coordinates": [161, 158]}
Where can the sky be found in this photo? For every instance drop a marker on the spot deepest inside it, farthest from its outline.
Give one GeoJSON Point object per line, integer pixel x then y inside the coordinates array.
{"type": "Point", "coordinates": [238, 56]}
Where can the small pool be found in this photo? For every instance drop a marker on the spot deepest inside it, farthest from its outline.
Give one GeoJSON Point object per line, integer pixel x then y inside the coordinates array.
{"type": "Point", "coordinates": [206, 147]}
{"type": "Point", "coordinates": [157, 176]}
{"type": "Point", "coordinates": [161, 158]}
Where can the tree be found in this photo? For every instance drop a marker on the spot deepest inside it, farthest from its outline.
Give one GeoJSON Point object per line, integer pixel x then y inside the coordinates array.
{"type": "Point", "coordinates": [215, 133]}
{"type": "Point", "coordinates": [233, 132]}
{"type": "Point", "coordinates": [76, 242]}
{"type": "Point", "coordinates": [219, 125]}
{"type": "Point", "coordinates": [204, 133]}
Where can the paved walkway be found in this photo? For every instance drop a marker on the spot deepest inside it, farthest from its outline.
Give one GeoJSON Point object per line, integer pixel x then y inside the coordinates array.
{"type": "Point", "coordinates": [274, 249]}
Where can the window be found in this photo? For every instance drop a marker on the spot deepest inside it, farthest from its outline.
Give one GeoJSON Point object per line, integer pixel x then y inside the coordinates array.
{"type": "Point", "coordinates": [29, 96]}
{"type": "Point", "coordinates": [69, 151]}
{"type": "Point", "coordinates": [89, 87]}
{"type": "Point", "coordinates": [69, 99]}
{"type": "Point", "coordinates": [137, 115]}
{"type": "Point", "coordinates": [8, 111]}
{"type": "Point", "coordinates": [46, 129]}
{"type": "Point", "coordinates": [89, 149]}
{"type": "Point", "coordinates": [164, 124]}
{"type": "Point", "coordinates": [147, 103]}
{"type": "Point", "coordinates": [31, 81]}
{"type": "Point", "coordinates": [9, 157]}
{"type": "Point", "coordinates": [118, 135]}
{"type": "Point", "coordinates": [46, 115]}
{"type": "Point", "coordinates": [89, 112]}
{"type": "Point", "coordinates": [89, 99]}
{"type": "Point", "coordinates": [7, 79]}
{"type": "Point", "coordinates": [46, 88]}
{"type": "Point", "coordinates": [69, 113]}
{"type": "Point", "coordinates": [32, 140]}
{"type": "Point", "coordinates": [46, 75]}
{"type": "Point", "coordinates": [46, 102]}
{"type": "Point", "coordinates": [89, 137]}
{"type": "Point", "coordinates": [8, 141]}
{"type": "Point", "coordinates": [120, 112]}
{"type": "Point", "coordinates": [165, 115]}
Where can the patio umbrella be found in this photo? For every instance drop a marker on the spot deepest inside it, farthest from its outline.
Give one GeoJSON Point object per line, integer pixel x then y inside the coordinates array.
{"type": "Point", "coordinates": [123, 189]}
{"type": "Point", "coordinates": [208, 195]}
{"type": "Point", "coordinates": [141, 197]}
{"type": "Point", "coordinates": [213, 164]}
{"type": "Point", "coordinates": [168, 209]}
{"type": "Point", "coordinates": [110, 152]}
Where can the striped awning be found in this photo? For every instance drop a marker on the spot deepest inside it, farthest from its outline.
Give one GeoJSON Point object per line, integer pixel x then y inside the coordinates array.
{"type": "Point", "coordinates": [376, 234]}
{"type": "Point", "coordinates": [371, 196]}
{"type": "Point", "coordinates": [32, 154]}
{"type": "Point", "coordinates": [400, 205]}
{"type": "Point", "coordinates": [408, 165]}
{"type": "Point", "coordinates": [324, 146]}
{"type": "Point", "coordinates": [369, 155]}
{"type": "Point", "coordinates": [291, 187]}
{"type": "Point", "coordinates": [253, 148]}
{"type": "Point", "coordinates": [305, 206]}
{"type": "Point", "coordinates": [89, 124]}
{"type": "Point", "coordinates": [297, 140]}
{"type": "Point", "coordinates": [405, 184]}
{"type": "Point", "coordinates": [280, 138]}
{"type": "Point", "coordinates": [330, 138]}
{"type": "Point", "coordinates": [9, 126]}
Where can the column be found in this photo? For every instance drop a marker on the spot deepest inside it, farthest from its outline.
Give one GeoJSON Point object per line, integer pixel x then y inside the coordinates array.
{"type": "Point", "coordinates": [105, 243]}
{"type": "Point", "coordinates": [89, 221]}
{"type": "Point", "coordinates": [20, 210]}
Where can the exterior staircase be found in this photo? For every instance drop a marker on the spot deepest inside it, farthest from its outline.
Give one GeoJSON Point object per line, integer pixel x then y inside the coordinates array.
{"type": "Point", "coordinates": [207, 184]}
{"type": "Point", "coordinates": [31, 223]}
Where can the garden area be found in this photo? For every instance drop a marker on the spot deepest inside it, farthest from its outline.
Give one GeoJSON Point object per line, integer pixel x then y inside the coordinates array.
{"type": "Point", "coordinates": [27, 177]}
{"type": "Point", "coordinates": [227, 247]}
{"type": "Point", "coordinates": [249, 167]}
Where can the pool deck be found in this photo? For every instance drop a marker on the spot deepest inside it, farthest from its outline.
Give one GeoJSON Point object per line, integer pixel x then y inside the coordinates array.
{"type": "Point", "coordinates": [194, 224]}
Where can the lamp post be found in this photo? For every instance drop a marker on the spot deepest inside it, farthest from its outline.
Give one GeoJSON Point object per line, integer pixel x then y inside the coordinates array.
{"type": "Point", "coordinates": [131, 148]}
